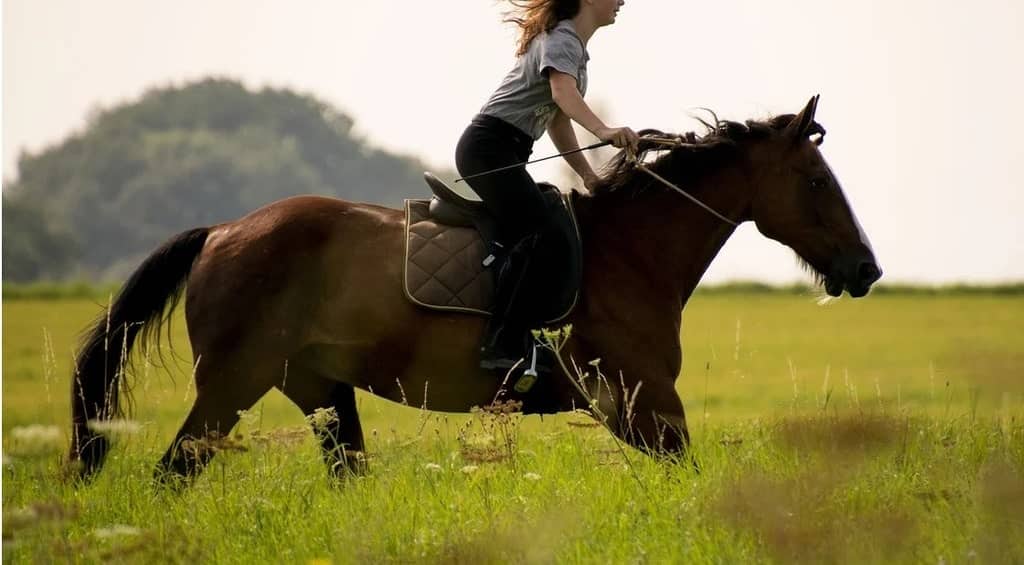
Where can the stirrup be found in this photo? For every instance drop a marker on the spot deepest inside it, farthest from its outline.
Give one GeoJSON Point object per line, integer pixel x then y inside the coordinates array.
{"type": "Point", "coordinates": [526, 381]}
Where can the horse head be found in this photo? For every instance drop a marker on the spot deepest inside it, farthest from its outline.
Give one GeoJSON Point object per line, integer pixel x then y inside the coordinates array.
{"type": "Point", "coordinates": [798, 202]}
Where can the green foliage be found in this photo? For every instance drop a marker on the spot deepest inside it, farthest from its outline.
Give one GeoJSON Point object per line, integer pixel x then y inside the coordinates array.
{"type": "Point", "coordinates": [182, 157]}
{"type": "Point", "coordinates": [33, 248]}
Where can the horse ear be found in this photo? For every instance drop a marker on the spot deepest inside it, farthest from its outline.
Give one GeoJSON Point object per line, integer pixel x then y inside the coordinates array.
{"type": "Point", "coordinates": [801, 125]}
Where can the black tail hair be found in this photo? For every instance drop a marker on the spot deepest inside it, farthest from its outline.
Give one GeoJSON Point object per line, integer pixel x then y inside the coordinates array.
{"type": "Point", "coordinates": [143, 304]}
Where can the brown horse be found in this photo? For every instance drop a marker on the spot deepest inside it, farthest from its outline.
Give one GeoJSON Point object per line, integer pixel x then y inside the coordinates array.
{"type": "Point", "coordinates": [306, 295]}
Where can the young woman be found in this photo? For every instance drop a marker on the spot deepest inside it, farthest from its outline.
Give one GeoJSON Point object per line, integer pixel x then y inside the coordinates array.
{"type": "Point", "coordinates": [543, 92]}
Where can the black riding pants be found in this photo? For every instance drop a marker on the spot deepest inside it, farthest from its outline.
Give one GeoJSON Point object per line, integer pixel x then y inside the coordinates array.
{"type": "Point", "coordinates": [511, 196]}
{"type": "Point", "coordinates": [525, 223]}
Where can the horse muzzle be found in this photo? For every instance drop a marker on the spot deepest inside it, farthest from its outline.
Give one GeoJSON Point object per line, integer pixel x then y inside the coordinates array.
{"type": "Point", "coordinates": [855, 276]}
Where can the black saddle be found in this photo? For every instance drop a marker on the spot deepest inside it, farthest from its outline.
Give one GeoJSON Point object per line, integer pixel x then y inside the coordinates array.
{"type": "Point", "coordinates": [449, 208]}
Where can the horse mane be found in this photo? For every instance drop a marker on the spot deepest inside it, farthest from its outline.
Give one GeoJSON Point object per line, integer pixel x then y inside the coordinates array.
{"type": "Point", "coordinates": [695, 156]}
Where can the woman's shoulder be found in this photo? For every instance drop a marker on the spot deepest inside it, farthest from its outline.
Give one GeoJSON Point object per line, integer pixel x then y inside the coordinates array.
{"type": "Point", "coordinates": [564, 33]}
{"type": "Point", "coordinates": [565, 27]}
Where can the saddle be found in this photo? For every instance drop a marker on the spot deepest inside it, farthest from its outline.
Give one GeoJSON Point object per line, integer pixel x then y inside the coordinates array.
{"type": "Point", "coordinates": [452, 255]}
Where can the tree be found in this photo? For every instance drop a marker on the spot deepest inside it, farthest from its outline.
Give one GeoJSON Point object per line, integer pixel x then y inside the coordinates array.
{"type": "Point", "coordinates": [181, 157]}
{"type": "Point", "coordinates": [33, 249]}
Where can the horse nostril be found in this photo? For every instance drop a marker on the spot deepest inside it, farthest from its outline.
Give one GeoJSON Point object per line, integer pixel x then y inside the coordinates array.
{"type": "Point", "coordinates": [868, 272]}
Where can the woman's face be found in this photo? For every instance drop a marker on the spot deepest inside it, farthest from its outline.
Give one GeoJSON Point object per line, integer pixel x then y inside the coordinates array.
{"type": "Point", "coordinates": [605, 10]}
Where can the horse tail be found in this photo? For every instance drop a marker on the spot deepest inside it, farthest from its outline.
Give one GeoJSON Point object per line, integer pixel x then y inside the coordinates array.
{"type": "Point", "coordinates": [143, 304]}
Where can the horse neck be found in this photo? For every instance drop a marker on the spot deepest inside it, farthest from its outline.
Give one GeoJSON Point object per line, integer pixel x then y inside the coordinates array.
{"type": "Point", "coordinates": [662, 237]}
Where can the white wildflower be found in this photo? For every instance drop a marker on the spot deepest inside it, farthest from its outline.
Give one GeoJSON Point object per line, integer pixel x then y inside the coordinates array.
{"type": "Point", "coordinates": [468, 469]}
{"type": "Point", "coordinates": [432, 467]}
{"type": "Point", "coordinates": [247, 418]}
{"type": "Point", "coordinates": [115, 427]}
{"type": "Point", "coordinates": [36, 433]}
{"type": "Point", "coordinates": [35, 439]}
{"type": "Point", "coordinates": [531, 477]}
{"type": "Point", "coordinates": [322, 418]}
{"type": "Point", "coordinates": [117, 530]}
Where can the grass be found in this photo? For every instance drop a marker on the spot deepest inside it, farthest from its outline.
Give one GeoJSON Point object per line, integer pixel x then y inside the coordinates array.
{"type": "Point", "coordinates": [884, 430]}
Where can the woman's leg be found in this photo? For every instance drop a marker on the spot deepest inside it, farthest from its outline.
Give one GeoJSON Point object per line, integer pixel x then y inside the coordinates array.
{"type": "Point", "coordinates": [516, 202]}
{"type": "Point", "coordinates": [511, 196]}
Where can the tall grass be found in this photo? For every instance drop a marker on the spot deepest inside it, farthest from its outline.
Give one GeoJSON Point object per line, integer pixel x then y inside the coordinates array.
{"type": "Point", "coordinates": [886, 430]}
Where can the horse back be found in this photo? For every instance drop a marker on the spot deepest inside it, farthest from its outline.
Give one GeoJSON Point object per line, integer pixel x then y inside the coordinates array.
{"type": "Point", "coordinates": [289, 266]}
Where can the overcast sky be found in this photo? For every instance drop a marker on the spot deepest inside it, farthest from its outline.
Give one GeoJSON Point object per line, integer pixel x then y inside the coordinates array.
{"type": "Point", "coordinates": [922, 99]}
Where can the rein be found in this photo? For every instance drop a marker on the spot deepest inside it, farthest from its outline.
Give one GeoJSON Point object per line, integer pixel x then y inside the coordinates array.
{"type": "Point", "coordinates": [659, 140]}
{"type": "Point", "coordinates": [674, 142]}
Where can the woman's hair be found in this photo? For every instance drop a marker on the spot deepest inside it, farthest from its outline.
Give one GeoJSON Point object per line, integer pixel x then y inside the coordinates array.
{"type": "Point", "coordinates": [537, 16]}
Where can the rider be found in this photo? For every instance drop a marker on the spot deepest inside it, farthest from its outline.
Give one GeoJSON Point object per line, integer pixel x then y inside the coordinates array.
{"type": "Point", "coordinates": [542, 93]}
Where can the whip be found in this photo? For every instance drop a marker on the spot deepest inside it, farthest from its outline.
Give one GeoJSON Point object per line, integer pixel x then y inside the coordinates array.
{"type": "Point", "coordinates": [523, 164]}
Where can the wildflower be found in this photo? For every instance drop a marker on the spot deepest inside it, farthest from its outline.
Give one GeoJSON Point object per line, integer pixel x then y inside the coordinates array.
{"type": "Point", "coordinates": [117, 530]}
{"type": "Point", "coordinates": [36, 513]}
{"type": "Point", "coordinates": [321, 418]}
{"type": "Point", "coordinates": [114, 427]}
{"type": "Point", "coordinates": [432, 467]}
{"type": "Point", "coordinates": [35, 439]}
{"type": "Point", "coordinates": [531, 477]}
{"type": "Point", "coordinates": [247, 418]}
{"type": "Point", "coordinates": [36, 433]}
{"type": "Point", "coordinates": [468, 469]}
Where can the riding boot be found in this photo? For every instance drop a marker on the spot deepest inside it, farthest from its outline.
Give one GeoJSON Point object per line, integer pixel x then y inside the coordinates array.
{"type": "Point", "coordinates": [506, 335]}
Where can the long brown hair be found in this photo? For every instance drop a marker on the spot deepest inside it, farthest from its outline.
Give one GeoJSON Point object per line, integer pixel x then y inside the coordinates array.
{"type": "Point", "coordinates": [537, 16]}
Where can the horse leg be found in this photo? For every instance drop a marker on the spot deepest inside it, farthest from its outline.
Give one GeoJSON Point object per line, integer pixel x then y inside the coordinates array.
{"type": "Point", "coordinates": [339, 429]}
{"type": "Point", "coordinates": [653, 421]}
{"type": "Point", "coordinates": [220, 395]}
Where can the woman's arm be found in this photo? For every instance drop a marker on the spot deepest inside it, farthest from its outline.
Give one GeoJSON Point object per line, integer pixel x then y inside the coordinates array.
{"type": "Point", "coordinates": [564, 137]}
{"type": "Point", "coordinates": [570, 102]}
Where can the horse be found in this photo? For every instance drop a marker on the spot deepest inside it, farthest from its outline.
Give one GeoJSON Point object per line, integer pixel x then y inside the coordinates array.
{"type": "Point", "coordinates": [305, 295]}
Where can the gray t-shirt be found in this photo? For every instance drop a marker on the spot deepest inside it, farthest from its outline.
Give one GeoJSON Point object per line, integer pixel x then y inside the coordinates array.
{"type": "Point", "coordinates": [524, 97]}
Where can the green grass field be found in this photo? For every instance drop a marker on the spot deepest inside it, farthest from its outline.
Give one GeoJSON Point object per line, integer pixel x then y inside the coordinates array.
{"type": "Point", "coordinates": [889, 429]}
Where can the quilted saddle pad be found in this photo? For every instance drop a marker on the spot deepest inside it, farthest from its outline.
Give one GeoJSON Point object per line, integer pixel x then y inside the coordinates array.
{"type": "Point", "coordinates": [442, 265]}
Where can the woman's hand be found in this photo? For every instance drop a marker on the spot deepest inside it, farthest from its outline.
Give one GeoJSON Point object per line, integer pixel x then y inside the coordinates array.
{"type": "Point", "coordinates": [619, 137]}
{"type": "Point", "coordinates": [590, 182]}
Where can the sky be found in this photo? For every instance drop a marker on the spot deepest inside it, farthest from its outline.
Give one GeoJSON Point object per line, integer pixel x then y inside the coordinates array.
{"type": "Point", "coordinates": [923, 100]}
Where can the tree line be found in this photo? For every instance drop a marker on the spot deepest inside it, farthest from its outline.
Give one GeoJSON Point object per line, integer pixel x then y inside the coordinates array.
{"type": "Point", "coordinates": [91, 206]}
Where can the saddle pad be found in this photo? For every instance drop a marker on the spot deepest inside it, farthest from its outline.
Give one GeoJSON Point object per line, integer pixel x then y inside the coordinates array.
{"type": "Point", "coordinates": [442, 266]}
